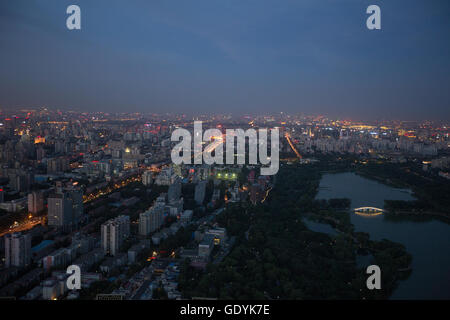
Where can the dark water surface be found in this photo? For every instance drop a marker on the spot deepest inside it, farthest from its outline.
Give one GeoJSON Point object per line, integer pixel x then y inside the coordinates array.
{"type": "Point", "coordinates": [428, 242]}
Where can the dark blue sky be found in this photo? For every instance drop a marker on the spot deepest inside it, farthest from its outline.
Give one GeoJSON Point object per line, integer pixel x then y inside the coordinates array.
{"type": "Point", "coordinates": [229, 56]}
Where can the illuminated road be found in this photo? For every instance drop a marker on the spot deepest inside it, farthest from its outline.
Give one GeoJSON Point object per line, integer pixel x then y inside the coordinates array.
{"type": "Point", "coordinates": [267, 194]}
{"type": "Point", "coordinates": [24, 225]}
{"type": "Point", "coordinates": [110, 189]}
{"type": "Point", "coordinates": [288, 138]}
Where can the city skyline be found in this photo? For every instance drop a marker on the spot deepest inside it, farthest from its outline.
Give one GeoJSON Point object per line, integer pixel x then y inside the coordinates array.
{"type": "Point", "coordinates": [190, 117]}
{"type": "Point", "coordinates": [240, 152]}
{"type": "Point", "coordinates": [102, 193]}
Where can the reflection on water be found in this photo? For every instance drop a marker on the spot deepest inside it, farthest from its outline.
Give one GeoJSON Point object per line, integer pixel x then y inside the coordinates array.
{"type": "Point", "coordinates": [368, 213]}
{"type": "Point", "coordinates": [427, 241]}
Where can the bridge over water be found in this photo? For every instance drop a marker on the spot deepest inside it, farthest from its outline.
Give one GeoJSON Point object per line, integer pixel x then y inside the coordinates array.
{"type": "Point", "coordinates": [369, 211]}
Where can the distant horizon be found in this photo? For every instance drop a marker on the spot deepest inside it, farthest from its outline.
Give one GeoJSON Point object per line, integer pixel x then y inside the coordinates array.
{"type": "Point", "coordinates": [312, 57]}
{"type": "Point", "coordinates": [12, 110]}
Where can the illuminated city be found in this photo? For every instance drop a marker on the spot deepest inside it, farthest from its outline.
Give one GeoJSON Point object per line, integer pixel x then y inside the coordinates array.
{"type": "Point", "coordinates": [108, 191]}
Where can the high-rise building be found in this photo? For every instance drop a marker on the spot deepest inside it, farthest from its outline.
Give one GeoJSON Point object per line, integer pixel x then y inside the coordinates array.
{"type": "Point", "coordinates": [113, 233]}
{"type": "Point", "coordinates": [17, 250]}
{"type": "Point", "coordinates": [106, 166]}
{"type": "Point", "coordinates": [59, 210]}
{"type": "Point", "coordinates": [166, 177]}
{"type": "Point", "coordinates": [65, 209]}
{"type": "Point", "coordinates": [151, 220]}
{"type": "Point", "coordinates": [147, 178]}
{"type": "Point", "coordinates": [20, 181]}
{"type": "Point", "coordinates": [57, 165]}
{"type": "Point", "coordinates": [174, 192]}
{"type": "Point", "coordinates": [35, 202]}
{"type": "Point", "coordinates": [200, 190]}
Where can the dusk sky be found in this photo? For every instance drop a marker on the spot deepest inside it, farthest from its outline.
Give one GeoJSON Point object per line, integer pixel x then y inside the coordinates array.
{"type": "Point", "coordinates": [229, 56]}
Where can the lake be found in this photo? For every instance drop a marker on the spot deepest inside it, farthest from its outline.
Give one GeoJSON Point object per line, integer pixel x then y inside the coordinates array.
{"type": "Point", "coordinates": [428, 242]}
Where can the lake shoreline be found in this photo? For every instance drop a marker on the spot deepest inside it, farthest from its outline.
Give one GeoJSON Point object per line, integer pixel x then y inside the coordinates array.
{"type": "Point", "coordinates": [418, 231]}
